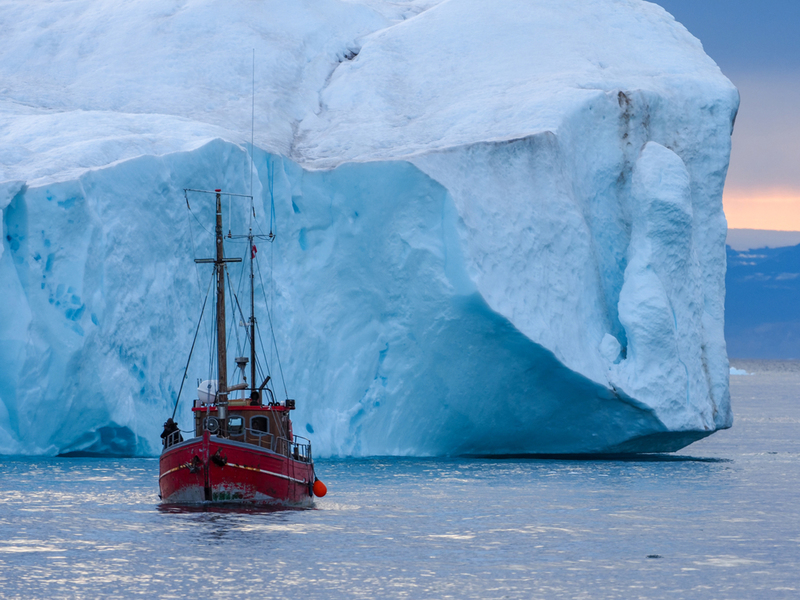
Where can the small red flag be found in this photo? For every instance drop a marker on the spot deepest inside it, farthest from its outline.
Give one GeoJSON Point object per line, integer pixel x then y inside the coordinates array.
{"type": "Point", "coordinates": [253, 251]}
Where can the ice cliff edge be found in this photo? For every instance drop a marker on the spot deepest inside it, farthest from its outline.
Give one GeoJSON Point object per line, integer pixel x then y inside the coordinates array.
{"type": "Point", "coordinates": [500, 225]}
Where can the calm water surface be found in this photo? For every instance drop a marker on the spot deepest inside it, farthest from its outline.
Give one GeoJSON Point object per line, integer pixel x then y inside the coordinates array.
{"type": "Point", "coordinates": [719, 520]}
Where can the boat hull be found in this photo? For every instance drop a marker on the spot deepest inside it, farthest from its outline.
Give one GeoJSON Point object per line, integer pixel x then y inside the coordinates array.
{"type": "Point", "coordinates": [214, 469]}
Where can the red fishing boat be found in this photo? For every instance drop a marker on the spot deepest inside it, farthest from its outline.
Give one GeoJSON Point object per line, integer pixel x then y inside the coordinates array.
{"type": "Point", "coordinates": [243, 448]}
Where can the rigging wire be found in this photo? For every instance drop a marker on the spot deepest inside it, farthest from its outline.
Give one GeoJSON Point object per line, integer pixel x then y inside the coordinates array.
{"type": "Point", "coordinates": [271, 296]}
{"type": "Point", "coordinates": [199, 322]}
{"type": "Point", "coordinates": [191, 238]}
{"type": "Point", "coordinates": [240, 348]}
{"type": "Point", "coordinates": [232, 297]}
{"type": "Point", "coordinates": [241, 272]}
{"type": "Point", "coordinates": [272, 330]}
{"type": "Point", "coordinates": [239, 289]}
{"type": "Point", "coordinates": [264, 352]}
{"type": "Point", "coordinates": [241, 313]}
{"type": "Point", "coordinates": [199, 222]}
{"type": "Point", "coordinates": [194, 249]}
{"type": "Point", "coordinates": [271, 183]}
{"type": "Point", "coordinates": [258, 365]}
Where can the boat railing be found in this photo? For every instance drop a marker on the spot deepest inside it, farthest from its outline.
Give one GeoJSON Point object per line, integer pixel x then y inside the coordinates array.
{"type": "Point", "coordinates": [300, 448]}
{"type": "Point", "coordinates": [256, 437]}
{"type": "Point", "coordinates": [173, 438]}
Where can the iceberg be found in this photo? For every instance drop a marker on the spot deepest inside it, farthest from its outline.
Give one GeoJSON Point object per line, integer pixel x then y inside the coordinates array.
{"type": "Point", "coordinates": [499, 225]}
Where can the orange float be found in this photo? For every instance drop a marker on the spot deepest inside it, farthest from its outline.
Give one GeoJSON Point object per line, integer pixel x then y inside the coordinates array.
{"type": "Point", "coordinates": [319, 489]}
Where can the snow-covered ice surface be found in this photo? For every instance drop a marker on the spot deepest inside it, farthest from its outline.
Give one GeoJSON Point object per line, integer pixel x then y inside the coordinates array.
{"type": "Point", "coordinates": [500, 225]}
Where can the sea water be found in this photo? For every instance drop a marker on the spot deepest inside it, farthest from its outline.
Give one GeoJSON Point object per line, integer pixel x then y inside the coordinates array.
{"type": "Point", "coordinates": [720, 519]}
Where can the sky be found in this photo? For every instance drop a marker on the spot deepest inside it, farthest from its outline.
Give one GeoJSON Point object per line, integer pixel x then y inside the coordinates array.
{"type": "Point", "coordinates": [756, 43]}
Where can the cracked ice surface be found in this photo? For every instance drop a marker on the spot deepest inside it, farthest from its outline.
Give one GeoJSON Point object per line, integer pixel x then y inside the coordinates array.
{"type": "Point", "coordinates": [500, 225]}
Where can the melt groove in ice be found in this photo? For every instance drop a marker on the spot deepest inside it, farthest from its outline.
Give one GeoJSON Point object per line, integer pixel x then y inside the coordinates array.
{"type": "Point", "coordinates": [510, 241]}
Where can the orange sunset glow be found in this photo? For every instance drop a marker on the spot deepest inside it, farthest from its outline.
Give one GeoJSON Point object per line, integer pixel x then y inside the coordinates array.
{"type": "Point", "coordinates": [776, 209]}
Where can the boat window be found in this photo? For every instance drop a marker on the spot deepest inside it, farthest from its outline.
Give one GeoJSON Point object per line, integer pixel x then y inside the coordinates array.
{"type": "Point", "coordinates": [259, 424]}
{"type": "Point", "coordinates": [235, 425]}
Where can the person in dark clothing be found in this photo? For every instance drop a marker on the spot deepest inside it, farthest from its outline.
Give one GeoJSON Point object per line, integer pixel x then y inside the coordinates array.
{"type": "Point", "coordinates": [255, 398]}
{"type": "Point", "coordinates": [170, 427]}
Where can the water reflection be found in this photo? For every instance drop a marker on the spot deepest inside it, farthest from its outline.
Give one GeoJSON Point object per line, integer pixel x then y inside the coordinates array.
{"type": "Point", "coordinates": [249, 528]}
{"type": "Point", "coordinates": [229, 508]}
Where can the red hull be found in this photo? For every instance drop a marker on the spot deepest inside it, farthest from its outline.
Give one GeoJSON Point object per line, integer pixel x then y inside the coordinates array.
{"type": "Point", "coordinates": [214, 469]}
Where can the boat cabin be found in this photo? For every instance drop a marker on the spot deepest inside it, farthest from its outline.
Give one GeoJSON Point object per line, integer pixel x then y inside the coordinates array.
{"type": "Point", "coordinates": [268, 427]}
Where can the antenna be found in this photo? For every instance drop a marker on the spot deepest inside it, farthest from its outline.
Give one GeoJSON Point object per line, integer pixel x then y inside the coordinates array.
{"type": "Point", "coordinates": [252, 125]}
{"type": "Point", "coordinates": [252, 247]}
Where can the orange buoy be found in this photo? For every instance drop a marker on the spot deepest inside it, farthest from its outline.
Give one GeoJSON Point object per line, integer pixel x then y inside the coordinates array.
{"type": "Point", "coordinates": [319, 489]}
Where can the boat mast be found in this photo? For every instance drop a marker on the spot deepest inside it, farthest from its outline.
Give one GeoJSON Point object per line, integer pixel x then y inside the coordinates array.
{"type": "Point", "coordinates": [222, 362]}
{"type": "Point", "coordinates": [219, 270]}
{"type": "Point", "coordinates": [252, 316]}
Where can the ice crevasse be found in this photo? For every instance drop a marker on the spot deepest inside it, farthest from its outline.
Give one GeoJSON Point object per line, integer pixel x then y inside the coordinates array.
{"type": "Point", "coordinates": [500, 225]}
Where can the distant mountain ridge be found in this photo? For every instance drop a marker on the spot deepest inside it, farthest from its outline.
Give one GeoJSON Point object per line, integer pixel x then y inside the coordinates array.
{"type": "Point", "coordinates": [745, 239]}
{"type": "Point", "coordinates": [762, 304]}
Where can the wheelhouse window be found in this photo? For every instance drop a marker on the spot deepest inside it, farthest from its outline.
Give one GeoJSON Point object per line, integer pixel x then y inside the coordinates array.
{"type": "Point", "coordinates": [235, 425]}
{"type": "Point", "coordinates": [259, 424]}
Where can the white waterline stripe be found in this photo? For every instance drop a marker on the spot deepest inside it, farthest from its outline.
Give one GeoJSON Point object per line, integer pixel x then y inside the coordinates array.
{"type": "Point", "coordinates": [183, 466]}
{"type": "Point", "coordinates": [230, 464]}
